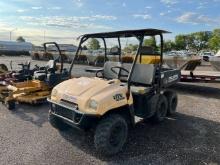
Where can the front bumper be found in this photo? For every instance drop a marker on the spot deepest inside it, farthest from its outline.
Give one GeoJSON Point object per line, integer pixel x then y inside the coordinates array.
{"type": "Point", "coordinates": [73, 116]}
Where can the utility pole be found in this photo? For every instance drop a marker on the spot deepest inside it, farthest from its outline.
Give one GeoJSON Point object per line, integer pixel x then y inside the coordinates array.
{"type": "Point", "coordinates": [44, 35]}
{"type": "Point", "coordinates": [10, 33]}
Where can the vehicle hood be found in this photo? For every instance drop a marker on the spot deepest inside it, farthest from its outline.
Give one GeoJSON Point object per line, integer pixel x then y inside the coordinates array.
{"type": "Point", "coordinates": [83, 88]}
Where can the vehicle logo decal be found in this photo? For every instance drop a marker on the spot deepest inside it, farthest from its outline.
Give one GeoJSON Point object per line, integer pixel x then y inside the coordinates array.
{"type": "Point", "coordinates": [118, 97]}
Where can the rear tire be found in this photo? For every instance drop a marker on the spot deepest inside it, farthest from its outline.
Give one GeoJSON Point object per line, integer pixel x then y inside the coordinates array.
{"type": "Point", "coordinates": [161, 109]}
{"type": "Point", "coordinates": [111, 134]}
{"type": "Point", "coordinates": [172, 100]}
{"type": "Point", "coordinates": [56, 122]}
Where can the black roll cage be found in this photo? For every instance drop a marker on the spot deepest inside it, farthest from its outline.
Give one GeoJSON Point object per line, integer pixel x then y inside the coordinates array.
{"type": "Point", "coordinates": [139, 34]}
{"type": "Point", "coordinates": [59, 51]}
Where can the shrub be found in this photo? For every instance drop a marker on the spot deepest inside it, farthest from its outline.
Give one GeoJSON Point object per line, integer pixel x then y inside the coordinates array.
{"type": "Point", "coordinates": [36, 56]}
{"type": "Point", "coordinates": [100, 60]}
{"type": "Point", "coordinates": [47, 56]}
{"type": "Point", "coordinates": [127, 59]}
{"type": "Point", "coordinates": [82, 59]}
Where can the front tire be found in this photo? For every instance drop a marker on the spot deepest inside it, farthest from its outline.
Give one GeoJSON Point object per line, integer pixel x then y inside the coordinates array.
{"type": "Point", "coordinates": [56, 122]}
{"type": "Point", "coordinates": [111, 134]}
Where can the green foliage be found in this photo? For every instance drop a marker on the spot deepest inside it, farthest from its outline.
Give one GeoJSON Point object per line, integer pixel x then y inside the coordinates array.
{"type": "Point", "coordinates": [194, 41]}
{"type": "Point", "coordinates": [214, 41]}
{"type": "Point", "coordinates": [198, 40]}
{"type": "Point", "coordinates": [180, 42]}
{"type": "Point", "coordinates": [216, 32]}
{"type": "Point", "coordinates": [93, 44]}
{"type": "Point", "coordinates": [169, 45]}
{"type": "Point", "coordinates": [151, 42]}
{"type": "Point", "coordinates": [131, 48]}
{"type": "Point", "coordinates": [84, 47]}
{"type": "Point", "coordinates": [20, 39]}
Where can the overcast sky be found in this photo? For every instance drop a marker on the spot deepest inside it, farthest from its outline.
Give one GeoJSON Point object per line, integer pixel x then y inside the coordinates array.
{"type": "Point", "coordinates": [64, 20]}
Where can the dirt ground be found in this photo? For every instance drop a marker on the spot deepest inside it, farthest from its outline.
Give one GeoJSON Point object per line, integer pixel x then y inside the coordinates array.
{"type": "Point", "coordinates": [191, 136]}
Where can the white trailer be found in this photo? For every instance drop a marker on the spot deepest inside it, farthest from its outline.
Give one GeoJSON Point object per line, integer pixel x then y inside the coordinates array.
{"type": "Point", "coordinates": [15, 48]}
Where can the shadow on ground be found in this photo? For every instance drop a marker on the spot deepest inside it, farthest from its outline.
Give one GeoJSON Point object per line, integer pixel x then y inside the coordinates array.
{"type": "Point", "coordinates": [194, 89]}
{"type": "Point", "coordinates": [181, 139]}
{"type": "Point", "coordinates": [35, 114]}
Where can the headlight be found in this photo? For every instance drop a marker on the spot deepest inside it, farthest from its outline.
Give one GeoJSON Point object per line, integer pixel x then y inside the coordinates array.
{"type": "Point", "coordinates": [54, 92]}
{"type": "Point", "coordinates": [93, 104]}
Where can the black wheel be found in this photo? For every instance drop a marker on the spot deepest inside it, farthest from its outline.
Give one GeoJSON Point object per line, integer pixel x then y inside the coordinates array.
{"type": "Point", "coordinates": [172, 100]}
{"type": "Point", "coordinates": [161, 109]}
{"type": "Point", "coordinates": [3, 67]}
{"type": "Point", "coordinates": [111, 134]}
{"type": "Point", "coordinates": [57, 123]}
{"type": "Point", "coordinates": [10, 104]}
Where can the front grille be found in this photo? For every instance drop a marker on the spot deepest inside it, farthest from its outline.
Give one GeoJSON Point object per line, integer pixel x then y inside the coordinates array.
{"type": "Point", "coordinates": [67, 113]}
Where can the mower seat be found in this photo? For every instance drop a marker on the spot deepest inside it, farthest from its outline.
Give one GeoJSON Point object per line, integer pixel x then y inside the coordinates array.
{"type": "Point", "coordinates": [42, 74]}
{"type": "Point", "coordinates": [51, 65]}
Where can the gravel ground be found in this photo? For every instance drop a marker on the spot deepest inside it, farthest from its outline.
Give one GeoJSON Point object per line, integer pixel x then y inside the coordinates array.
{"type": "Point", "coordinates": [191, 136]}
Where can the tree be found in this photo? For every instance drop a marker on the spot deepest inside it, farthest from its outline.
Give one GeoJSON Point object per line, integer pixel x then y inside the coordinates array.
{"type": "Point", "coordinates": [151, 42]}
{"type": "Point", "coordinates": [84, 47]}
{"type": "Point", "coordinates": [214, 42]}
{"type": "Point", "coordinates": [168, 45]}
{"type": "Point", "coordinates": [216, 32]}
{"type": "Point", "coordinates": [94, 44]}
{"type": "Point", "coordinates": [200, 40]}
{"type": "Point", "coordinates": [131, 48]}
{"type": "Point", "coordinates": [20, 39]}
{"type": "Point", "coordinates": [180, 42]}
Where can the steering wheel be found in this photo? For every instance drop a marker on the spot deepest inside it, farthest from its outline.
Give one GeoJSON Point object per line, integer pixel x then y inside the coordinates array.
{"type": "Point", "coordinates": [120, 69]}
{"type": "Point", "coordinates": [21, 64]}
{"type": "Point", "coordinates": [37, 67]}
{"type": "Point", "coordinates": [97, 74]}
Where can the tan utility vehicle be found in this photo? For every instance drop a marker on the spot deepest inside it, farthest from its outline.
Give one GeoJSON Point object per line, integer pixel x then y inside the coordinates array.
{"type": "Point", "coordinates": [109, 103]}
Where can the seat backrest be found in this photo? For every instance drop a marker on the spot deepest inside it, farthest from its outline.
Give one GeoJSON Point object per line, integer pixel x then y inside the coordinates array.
{"type": "Point", "coordinates": [26, 66]}
{"type": "Point", "coordinates": [143, 74]}
{"type": "Point", "coordinates": [107, 69]}
{"type": "Point", "coordinates": [51, 64]}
